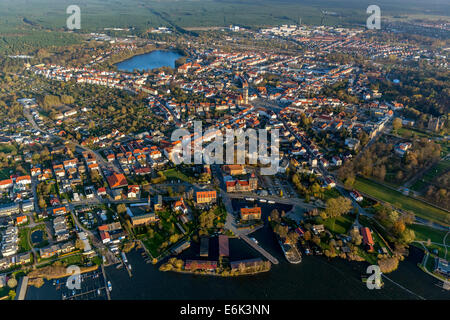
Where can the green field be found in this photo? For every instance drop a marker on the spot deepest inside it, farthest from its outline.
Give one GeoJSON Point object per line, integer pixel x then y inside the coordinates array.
{"type": "Point", "coordinates": [437, 170]}
{"type": "Point", "coordinates": [7, 148]}
{"type": "Point", "coordinates": [160, 235]}
{"type": "Point", "coordinates": [174, 173]}
{"type": "Point", "coordinates": [74, 259]}
{"type": "Point", "coordinates": [409, 132]}
{"type": "Point", "coordinates": [401, 201]}
{"type": "Point", "coordinates": [340, 224]}
{"type": "Point", "coordinates": [24, 245]}
{"type": "Point", "coordinates": [440, 250]}
{"type": "Point", "coordinates": [331, 193]}
{"type": "Point", "coordinates": [423, 233]}
{"type": "Point", "coordinates": [5, 173]}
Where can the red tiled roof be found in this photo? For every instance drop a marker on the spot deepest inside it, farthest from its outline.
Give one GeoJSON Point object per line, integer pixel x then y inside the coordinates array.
{"type": "Point", "coordinates": [255, 210]}
{"type": "Point", "coordinates": [117, 180]}
{"type": "Point", "coordinates": [367, 236]}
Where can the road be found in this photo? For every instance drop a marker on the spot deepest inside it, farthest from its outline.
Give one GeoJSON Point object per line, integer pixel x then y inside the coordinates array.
{"type": "Point", "coordinates": [100, 159]}
{"type": "Point", "coordinates": [110, 257]}
{"type": "Point", "coordinates": [344, 192]}
{"type": "Point", "coordinates": [230, 223]}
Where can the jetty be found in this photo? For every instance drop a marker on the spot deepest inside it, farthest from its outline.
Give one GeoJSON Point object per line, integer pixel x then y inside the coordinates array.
{"type": "Point", "coordinates": [22, 289]}
{"type": "Point", "coordinates": [259, 249]}
{"type": "Point", "coordinates": [106, 285]}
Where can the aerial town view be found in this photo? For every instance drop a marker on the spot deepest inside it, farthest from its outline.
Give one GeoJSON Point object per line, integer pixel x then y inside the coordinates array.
{"type": "Point", "coordinates": [224, 150]}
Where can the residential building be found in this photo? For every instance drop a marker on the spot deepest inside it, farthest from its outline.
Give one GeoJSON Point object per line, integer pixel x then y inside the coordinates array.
{"type": "Point", "coordinates": [204, 197]}
{"type": "Point", "coordinates": [251, 213]}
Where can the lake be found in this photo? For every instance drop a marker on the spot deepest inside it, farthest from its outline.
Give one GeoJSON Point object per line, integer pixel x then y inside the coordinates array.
{"type": "Point", "coordinates": [315, 277]}
{"type": "Point", "coordinates": [149, 61]}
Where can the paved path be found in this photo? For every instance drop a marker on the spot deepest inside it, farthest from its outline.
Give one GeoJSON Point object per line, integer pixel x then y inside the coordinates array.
{"type": "Point", "coordinates": [231, 221]}
{"type": "Point", "coordinates": [444, 242]}
{"type": "Point", "coordinates": [110, 257]}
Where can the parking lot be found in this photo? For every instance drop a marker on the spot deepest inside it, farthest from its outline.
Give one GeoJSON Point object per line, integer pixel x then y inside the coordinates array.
{"type": "Point", "coordinates": [277, 186]}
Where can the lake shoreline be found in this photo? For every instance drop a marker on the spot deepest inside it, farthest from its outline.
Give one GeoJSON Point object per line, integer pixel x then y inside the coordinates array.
{"type": "Point", "coordinates": [147, 65]}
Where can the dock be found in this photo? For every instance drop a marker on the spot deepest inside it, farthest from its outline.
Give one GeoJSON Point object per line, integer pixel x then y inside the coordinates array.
{"type": "Point", "coordinates": [108, 295]}
{"type": "Point", "coordinates": [92, 287]}
{"type": "Point", "coordinates": [259, 249]}
{"type": "Point", "coordinates": [127, 267]}
{"type": "Point", "coordinates": [23, 289]}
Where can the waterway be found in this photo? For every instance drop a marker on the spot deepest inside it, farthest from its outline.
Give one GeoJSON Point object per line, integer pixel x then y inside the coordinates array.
{"type": "Point", "coordinates": [314, 278]}
{"type": "Point", "coordinates": [149, 61]}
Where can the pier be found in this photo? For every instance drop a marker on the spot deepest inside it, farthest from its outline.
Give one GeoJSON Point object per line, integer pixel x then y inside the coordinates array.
{"type": "Point", "coordinates": [92, 287]}
{"type": "Point", "coordinates": [108, 294]}
{"type": "Point", "coordinates": [22, 289]}
{"type": "Point", "coordinates": [259, 249]}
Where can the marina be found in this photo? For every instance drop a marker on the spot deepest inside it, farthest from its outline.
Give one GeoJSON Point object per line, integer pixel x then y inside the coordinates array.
{"type": "Point", "coordinates": [92, 287]}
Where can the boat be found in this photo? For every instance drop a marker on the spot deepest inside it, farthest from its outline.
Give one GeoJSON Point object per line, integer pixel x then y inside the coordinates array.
{"type": "Point", "coordinates": [254, 240]}
{"type": "Point", "coordinates": [124, 257]}
{"type": "Point", "coordinates": [250, 199]}
{"type": "Point", "coordinates": [129, 266]}
{"type": "Point", "coordinates": [109, 286]}
{"type": "Point", "coordinates": [271, 201]}
{"type": "Point", "coordinates": [262, 200]}
{"type": "Point", "coordinates": [295, 257]}
{"type": "Point", "coordinates": [98, 291]}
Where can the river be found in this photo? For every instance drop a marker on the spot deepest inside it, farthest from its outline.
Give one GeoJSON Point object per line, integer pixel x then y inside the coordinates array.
{"type": "Point", "coordinates": [149, 61]}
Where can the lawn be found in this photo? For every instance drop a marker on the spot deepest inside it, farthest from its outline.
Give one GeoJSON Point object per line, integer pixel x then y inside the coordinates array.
{"type": "Point", "coordinates": [7, 148]}
{"type": "Point", "coordinates": [401, 201]}
{"type": "Point", "coordinates": [5, 173]}
{"type": "Point", "coordinates": [331, 193]}
{"type": "Point", "coordinates": [340, 224]}
{"type": "Point", "coordinates": [440, 249]}
{"type": "Point", "coordinates": [177, 174]}
{"type": "Point", "coordinates": [437, 170]}
{"type": "Point", "coordinates": [23, 240]}
{"type": "Point", "coordinates": [423, 233]}
{"type": "Point", "coordinates": [408, 132]}
{"type": "Point", "coordinates": [4, 291]}
{"type": "Point", "coordinates": [75, 259]}
{"type": "Point", "coordinates": [430, 263]}
{"type": "Point", "coordinates": [161, 234]}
